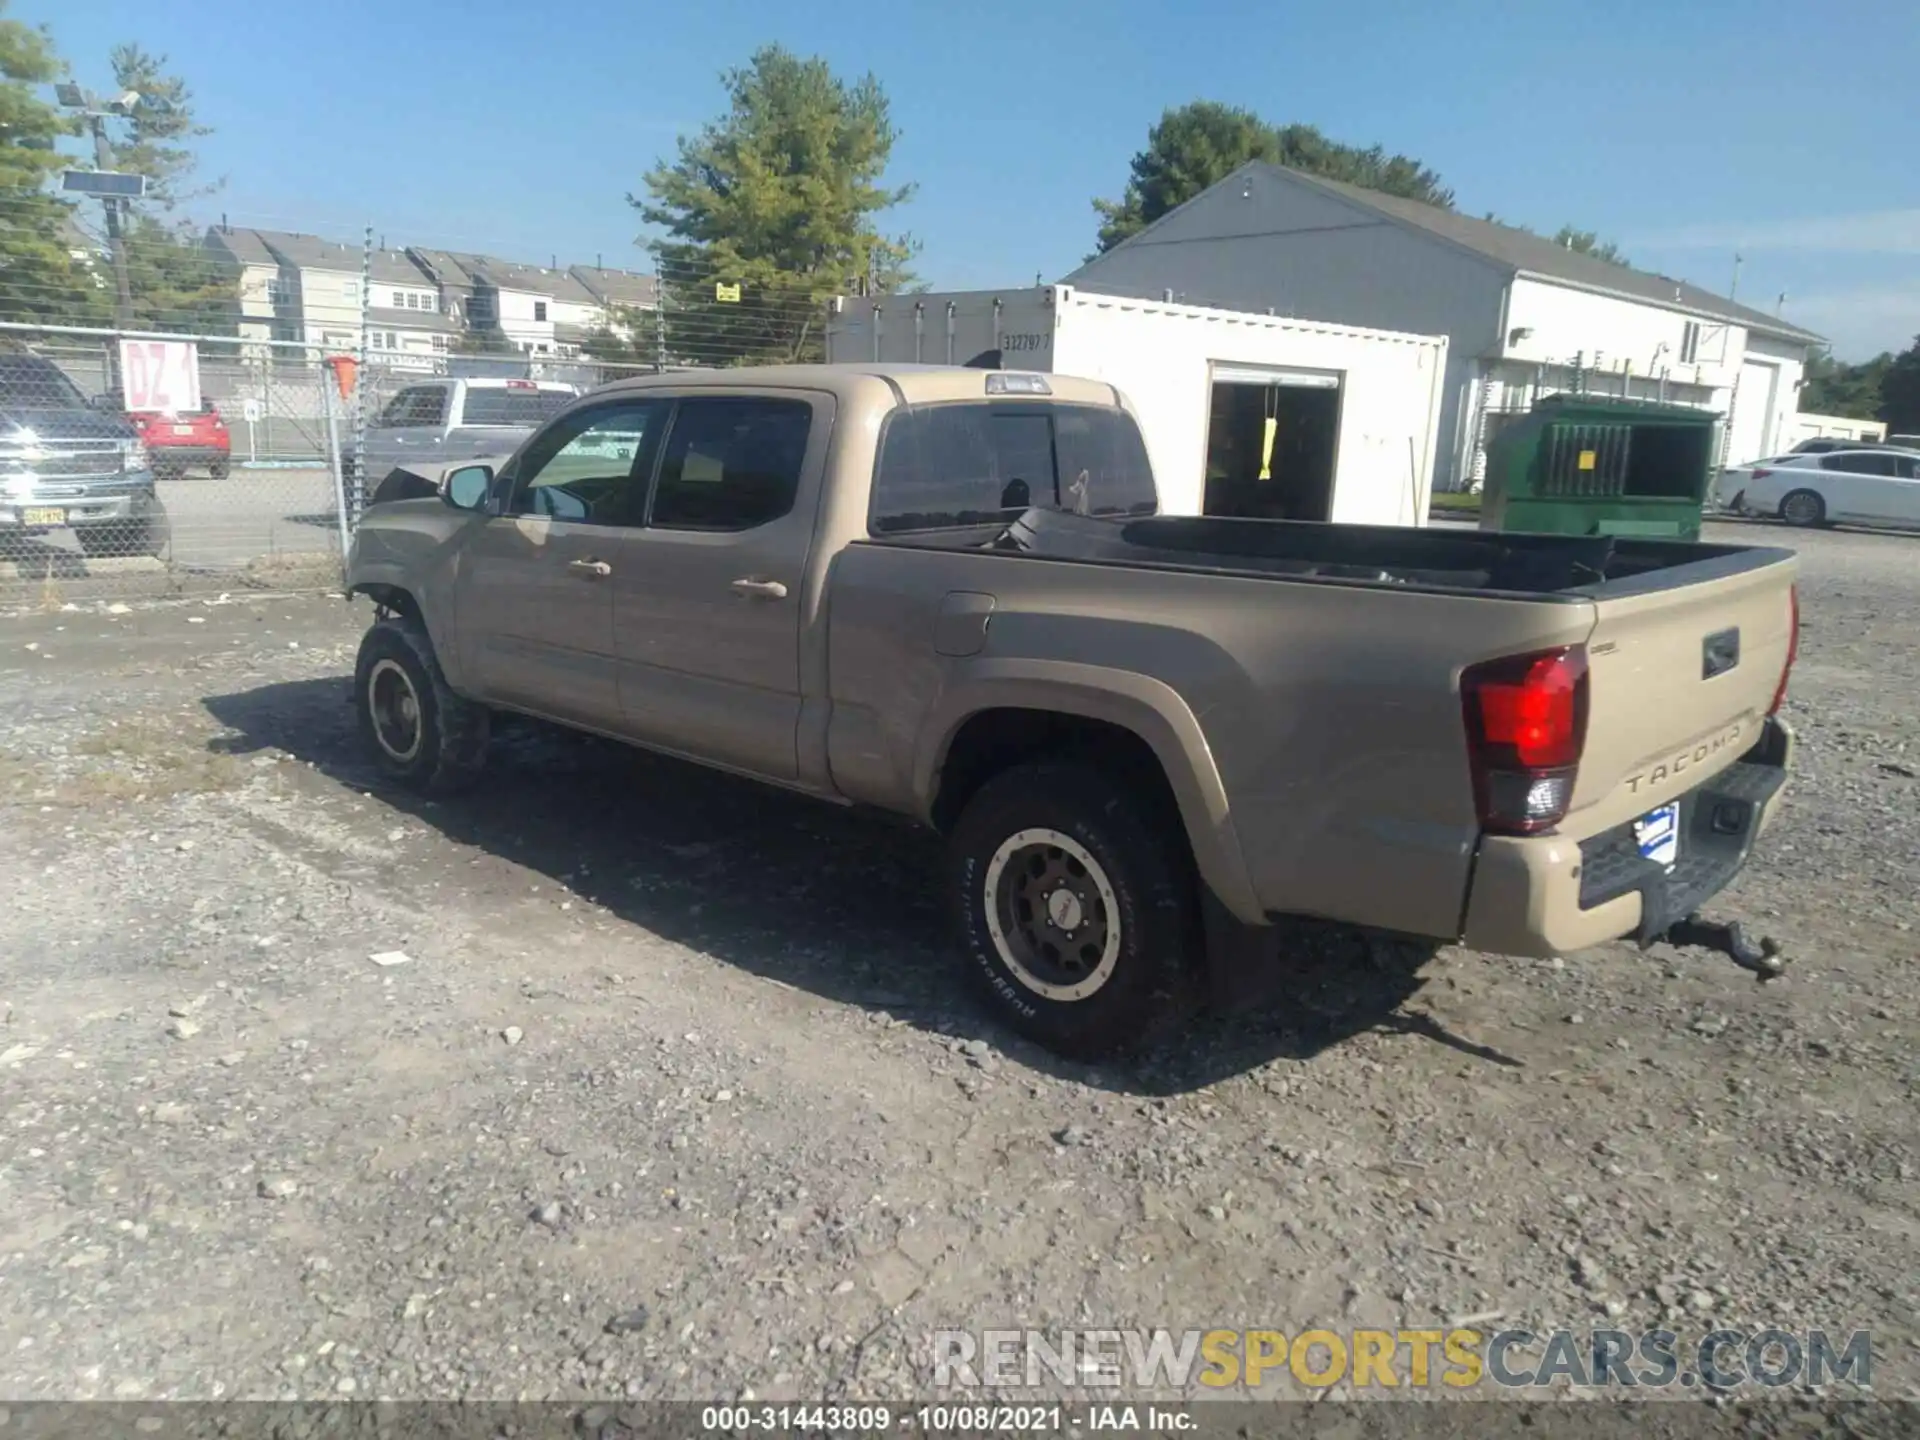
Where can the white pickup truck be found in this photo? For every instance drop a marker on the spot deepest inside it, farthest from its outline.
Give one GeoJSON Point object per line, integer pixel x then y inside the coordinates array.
{"type": "Point", "coordinates": [436, 421]}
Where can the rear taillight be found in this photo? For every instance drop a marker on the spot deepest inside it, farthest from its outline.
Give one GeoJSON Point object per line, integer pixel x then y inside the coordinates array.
{"type": "Point", "coordinates": [1526, 726]}
{"type": "Point", "coordinates": [1793, 650]}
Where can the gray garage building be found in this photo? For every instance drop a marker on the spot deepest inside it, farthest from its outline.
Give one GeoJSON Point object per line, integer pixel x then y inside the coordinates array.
{"type": "Point", "coordinates": [1524, 317]}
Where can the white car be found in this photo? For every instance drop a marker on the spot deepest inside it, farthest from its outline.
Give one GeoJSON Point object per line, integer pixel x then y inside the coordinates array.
{"type": "Point", "coordinates": [1880, 486]}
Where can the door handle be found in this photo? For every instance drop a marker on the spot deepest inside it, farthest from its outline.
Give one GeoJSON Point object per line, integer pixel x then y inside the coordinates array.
{"type": "Point", "coordinates": [760, 589]}
{"type": "Point", "coordinates": [590, 567]}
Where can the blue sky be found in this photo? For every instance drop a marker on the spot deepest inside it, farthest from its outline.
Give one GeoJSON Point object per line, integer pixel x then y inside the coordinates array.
{"type": "Point", "coordinates": [1684, 130]}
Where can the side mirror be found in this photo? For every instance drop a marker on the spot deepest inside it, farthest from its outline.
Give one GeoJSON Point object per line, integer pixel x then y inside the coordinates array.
{"type": "Point", "coordinates": [467, 487]}
{"type": "Point", "coordinates": [108, 402]}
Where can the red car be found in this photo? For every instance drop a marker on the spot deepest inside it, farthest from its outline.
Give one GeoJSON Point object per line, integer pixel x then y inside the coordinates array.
{"type": "Point", "coordinates": [177, 443]}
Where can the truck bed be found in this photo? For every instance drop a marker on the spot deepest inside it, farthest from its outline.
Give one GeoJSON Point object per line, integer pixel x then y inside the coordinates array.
{"type": "Point", "coordinates": [1571, 567]}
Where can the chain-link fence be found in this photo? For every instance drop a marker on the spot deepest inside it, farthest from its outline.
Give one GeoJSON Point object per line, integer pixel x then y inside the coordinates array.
{"type": "Point", "coordinates": [218, 422]}
{"type": "Point", "coordinates": [157, 464]}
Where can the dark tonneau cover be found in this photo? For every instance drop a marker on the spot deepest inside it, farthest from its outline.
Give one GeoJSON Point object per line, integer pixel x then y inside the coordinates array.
{"type": "Point", "coordinates": [1362, 554]}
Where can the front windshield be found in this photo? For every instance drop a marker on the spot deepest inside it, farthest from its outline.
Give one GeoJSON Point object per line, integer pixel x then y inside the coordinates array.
{"type": "Point", "coordinates": [29, 382]}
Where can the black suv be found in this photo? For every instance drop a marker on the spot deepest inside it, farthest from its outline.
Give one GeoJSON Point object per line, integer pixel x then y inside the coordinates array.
{"type": "Point", "coordinates": [67, 462]}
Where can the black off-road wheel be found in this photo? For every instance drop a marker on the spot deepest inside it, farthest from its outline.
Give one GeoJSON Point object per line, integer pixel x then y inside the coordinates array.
{"type": "Point", "coordinates": [220, 468]}
{"type": "Point", "coordinates": [1077, 907]}
{"type": "Point", "coordinates": [1804, 508]}
{"type": "Point", "coordinates": [419, 731]}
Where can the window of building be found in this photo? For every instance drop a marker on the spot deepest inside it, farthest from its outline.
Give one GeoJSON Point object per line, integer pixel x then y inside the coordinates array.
{"type": "Point", "coordinates": [540, 310]}
{"type": "Point", "coordinates": [1690, 343]}
{"type": "Point", "coordinates": [731, 463]}
{"type": "Point", "coordinates": [440, 343]}
{"type": "Point", "coordinates": [280, 291]}
{"type": "Point", "coordinates": [351, 289]}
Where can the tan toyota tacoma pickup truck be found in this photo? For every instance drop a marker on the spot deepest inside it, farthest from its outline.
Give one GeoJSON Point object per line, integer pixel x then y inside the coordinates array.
{"type": "Point", "coordinates": [946, 593]}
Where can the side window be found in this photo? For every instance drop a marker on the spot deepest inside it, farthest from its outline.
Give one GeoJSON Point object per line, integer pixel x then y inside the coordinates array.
{"type": "Point", "coordinates": [1907, 467]}
{"type": "Point", "coordinates": [516, 403]}
{"type": "Point", "coordinates": [397, 410]}
{"type": "Point", "coordinates": [1104, 468]}
{"type": "Point", "coordinates": [431, 406]}
{"type": "Point", "coordinates": [731, 463]}
{"type": "Point", "coordinates": [1855, 464]}
{"type": "Point", "coordinates": [419, 405]}
{"type": "Point", "coordinates": [592, 467]}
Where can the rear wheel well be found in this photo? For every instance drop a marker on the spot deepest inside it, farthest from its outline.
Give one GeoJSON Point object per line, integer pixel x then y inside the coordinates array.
{"type": "Point", "coordinates": [994, 741]}
{"type": "Point", "coordinates": [392, 599]}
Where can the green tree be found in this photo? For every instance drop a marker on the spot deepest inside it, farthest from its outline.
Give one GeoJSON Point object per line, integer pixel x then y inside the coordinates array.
{"type": "Point", "coordinates": [771, 209]}
{"type": "Point", "coordinates": [40, 277]}
{"type": "Point", "coordinates": [1835, 387]}
{"type": "Point", "coordinates": [177, 283]}
{"type": "Point", "coordinates": [483, 342]}
{"type": "Point", "coordinates": [150, 137]}
{"type": "Point", "coordinates": [628, 337]}
{"type": "Point", "coordinates": [1585, 242]}
{"type": "Point", "coordinates": [1198, 145]}
{"type": "Point", "coordinates": [1900, 391]}
{"type": "Point", "coordinates": [1188, 150]}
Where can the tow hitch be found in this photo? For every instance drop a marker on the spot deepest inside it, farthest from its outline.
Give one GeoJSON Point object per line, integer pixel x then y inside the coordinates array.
{"type": "Point", "coordinates": [1764, 959]}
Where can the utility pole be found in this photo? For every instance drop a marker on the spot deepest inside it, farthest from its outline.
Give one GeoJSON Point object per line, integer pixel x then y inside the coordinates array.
{"type": "Point", "coordinates": [110, 188]}
{"type": "Point", "coordinates": [116, 226]}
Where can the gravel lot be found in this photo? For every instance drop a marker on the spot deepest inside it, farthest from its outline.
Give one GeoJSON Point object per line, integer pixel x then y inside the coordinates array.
{"type": "Point", "coordinates": [676, 1053]}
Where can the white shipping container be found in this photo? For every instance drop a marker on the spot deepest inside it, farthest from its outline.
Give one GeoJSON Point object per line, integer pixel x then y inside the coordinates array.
{"type": "Point", "coordinates": [1243, 414]}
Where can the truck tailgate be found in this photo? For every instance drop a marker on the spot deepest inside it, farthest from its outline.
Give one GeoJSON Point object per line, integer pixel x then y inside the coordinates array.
{"type": "Point", "coordinates": [1682, 676]}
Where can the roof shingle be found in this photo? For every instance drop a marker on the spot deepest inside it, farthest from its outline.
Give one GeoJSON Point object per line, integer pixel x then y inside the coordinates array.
{"type": "Point", "coordinates": [1522, 250]}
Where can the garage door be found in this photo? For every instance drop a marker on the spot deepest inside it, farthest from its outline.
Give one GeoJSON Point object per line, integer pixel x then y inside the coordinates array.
{"type": "Point", "coordinates": [1747, 437]}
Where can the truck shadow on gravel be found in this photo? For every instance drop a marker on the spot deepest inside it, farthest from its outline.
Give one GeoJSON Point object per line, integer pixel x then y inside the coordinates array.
{"type": "Point", "coordinates": [840, 903]}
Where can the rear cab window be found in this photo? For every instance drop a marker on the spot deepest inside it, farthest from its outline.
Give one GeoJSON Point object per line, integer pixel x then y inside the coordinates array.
{"type": "Point", "coordinates": [965, 463]}
{"type": "Point", "coordinates": [522, 406]}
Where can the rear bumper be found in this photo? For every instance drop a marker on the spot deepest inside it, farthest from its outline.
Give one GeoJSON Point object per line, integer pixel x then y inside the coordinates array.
{"type": "Point", "coordinates": [179, 456]}
{"type": "Point", "coordinates": [1548, 895]}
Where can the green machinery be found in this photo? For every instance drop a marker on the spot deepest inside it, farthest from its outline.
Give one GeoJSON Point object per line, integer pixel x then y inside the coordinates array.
{"type": "Point", "coordinates": [1586, 465]}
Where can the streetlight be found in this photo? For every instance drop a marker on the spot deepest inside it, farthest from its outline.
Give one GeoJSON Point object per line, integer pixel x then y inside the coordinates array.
{"type": "Point", "coordinates": [112, 189]}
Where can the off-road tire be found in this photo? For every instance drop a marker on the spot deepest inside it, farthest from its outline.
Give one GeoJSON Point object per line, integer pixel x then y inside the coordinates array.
{"type": "Point", "coordinates": [1153, 981]}
{"type": "Point", "coordinates": [1813, 513]}
{"type": "Point", "coordinates": [452, 730]}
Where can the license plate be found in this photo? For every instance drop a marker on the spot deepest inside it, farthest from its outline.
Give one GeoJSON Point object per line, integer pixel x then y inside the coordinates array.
{"type": "Point", "coordinates": [43, 517]}
{"type": "Point", "coordinates": [183, 429]}
{"type": "Point", "coordinates": [1657, 833]}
